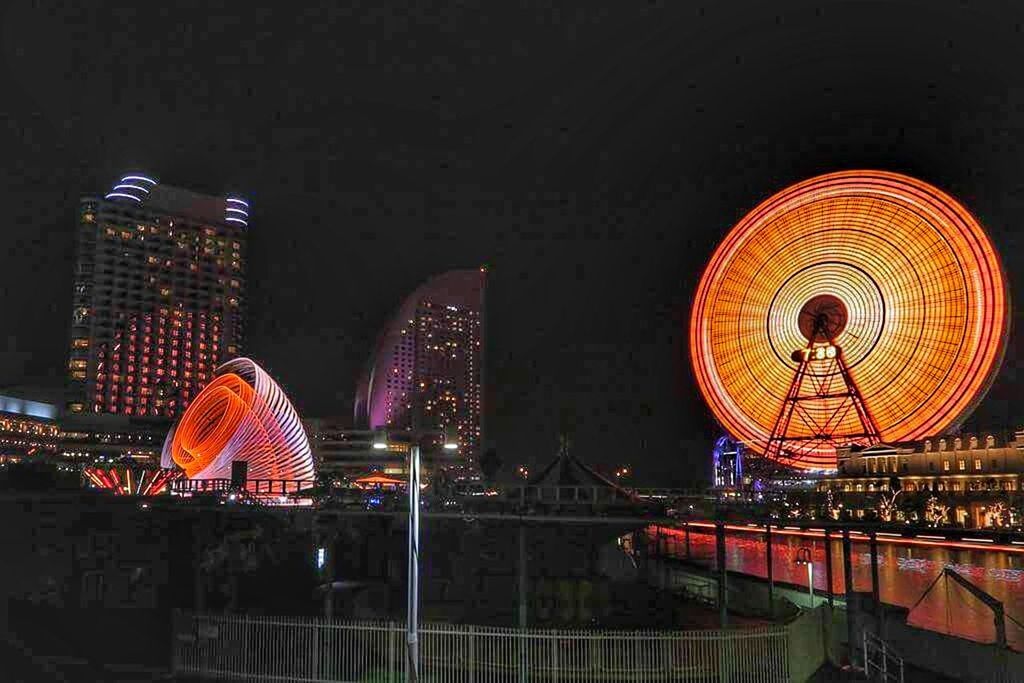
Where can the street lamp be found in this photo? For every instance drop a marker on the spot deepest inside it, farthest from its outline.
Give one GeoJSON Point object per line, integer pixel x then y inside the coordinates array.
{"type": "Point", "coordinates": [451, 443]}
{"type": "Point", "coordinates": [803, 556]}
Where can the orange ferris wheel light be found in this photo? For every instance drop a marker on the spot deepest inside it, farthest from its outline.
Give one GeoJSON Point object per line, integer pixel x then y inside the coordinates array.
{"type": "Point", "coordinates": [922, 328]}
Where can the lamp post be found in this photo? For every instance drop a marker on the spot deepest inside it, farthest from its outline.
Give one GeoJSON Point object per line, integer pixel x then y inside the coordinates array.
{"type": "Point", "coordinates": [451, 443]}
{"type": "Point", "coordinates": [804, 557]}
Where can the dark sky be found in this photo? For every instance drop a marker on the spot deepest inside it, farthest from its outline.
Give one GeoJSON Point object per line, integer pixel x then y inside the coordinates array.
{"type": "Point", "coordinates": [592, 157]}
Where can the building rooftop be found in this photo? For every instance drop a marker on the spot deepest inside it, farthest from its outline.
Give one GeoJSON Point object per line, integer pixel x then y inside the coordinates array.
{"type": "Point", "coordinates": [18, 405]}
{"type": "Point", "coordinates": [146, 192]}
{"type": "Point", "coordinates": [936, 444]}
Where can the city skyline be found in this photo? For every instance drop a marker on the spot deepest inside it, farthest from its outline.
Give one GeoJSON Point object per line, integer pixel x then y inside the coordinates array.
{"type": "Point", "coordinates": [534, 341]}
{"type": "Point", "coordinates": [594, 190]}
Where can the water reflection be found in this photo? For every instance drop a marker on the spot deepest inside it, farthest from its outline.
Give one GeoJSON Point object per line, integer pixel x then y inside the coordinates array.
{"type": "Point", "coordinates": [905, 573]}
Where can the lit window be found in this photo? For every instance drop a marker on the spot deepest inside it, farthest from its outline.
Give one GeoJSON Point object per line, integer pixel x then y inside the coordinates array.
{"type": "Point", "coordinates": [962, 465]}
{"type": "Point", "coordinates": [945, 465]}
{"type": "Point", "coordinates": [977, 463]}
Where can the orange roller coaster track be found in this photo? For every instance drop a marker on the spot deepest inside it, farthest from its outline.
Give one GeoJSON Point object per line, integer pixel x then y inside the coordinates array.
{"type": "Point", "coordinates": [242, 414]}
{"type": "Point", "coordinates": [849, 308]}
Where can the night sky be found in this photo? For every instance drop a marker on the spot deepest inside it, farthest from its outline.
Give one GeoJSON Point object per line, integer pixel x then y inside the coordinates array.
{"type": "Point", "coordinates": [591, 158]}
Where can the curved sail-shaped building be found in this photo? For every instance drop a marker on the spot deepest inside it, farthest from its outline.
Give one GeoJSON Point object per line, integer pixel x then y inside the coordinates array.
{"type": "Point", "coordinates": [241, 415]}
{"type": "Point", "coordinates": [427, 368]}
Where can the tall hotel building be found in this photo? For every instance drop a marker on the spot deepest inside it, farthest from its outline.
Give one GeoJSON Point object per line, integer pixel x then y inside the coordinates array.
{"type": "Point", "coordinates": [427, 370]}
{"type": "Point", "coordinates": [159, 293]}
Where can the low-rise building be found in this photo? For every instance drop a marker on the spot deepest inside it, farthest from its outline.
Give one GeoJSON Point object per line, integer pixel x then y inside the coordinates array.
{"type": "Point", "coordinates": [28, 429]}
{"type": "Point", "coordinates": [974, 473]}
{"type": "Point", "coordinates": [342, 454]}
{"type": "Point", "coordinates": [92, 438]}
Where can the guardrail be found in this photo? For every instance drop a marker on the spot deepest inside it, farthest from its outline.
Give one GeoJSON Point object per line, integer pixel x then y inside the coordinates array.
{"type": "Point", "coordinates": [319, 650]}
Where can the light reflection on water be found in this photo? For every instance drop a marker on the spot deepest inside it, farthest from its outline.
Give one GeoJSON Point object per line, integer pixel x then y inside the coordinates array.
{"type": "Point", "coordinates": [904, 572]}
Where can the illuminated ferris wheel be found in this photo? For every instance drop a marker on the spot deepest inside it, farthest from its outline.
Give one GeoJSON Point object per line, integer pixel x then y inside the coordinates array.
{"type": "Point", "coordinates": [848, 309]}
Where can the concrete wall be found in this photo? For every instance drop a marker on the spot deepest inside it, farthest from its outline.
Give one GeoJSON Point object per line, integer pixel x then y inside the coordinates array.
{"type": "Point", "coordinates": [808, 634]}
{"type": "Point", "coordinates": [747, 595]}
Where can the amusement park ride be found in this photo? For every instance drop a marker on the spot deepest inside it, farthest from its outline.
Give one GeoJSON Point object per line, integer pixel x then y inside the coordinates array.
{"type": "Point", "coordinates": [821, 376]}
{"type": "Point", "coordinates": [849, 309]}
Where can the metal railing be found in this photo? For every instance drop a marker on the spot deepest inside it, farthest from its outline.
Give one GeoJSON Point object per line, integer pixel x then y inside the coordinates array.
{"type": "Point", "coordinates": [254, 486]}
{"type": "Point", "coordinates": [315, 650]}
{"type": "Point", "coordinates": [880, 661]}
{"type": "Point", "coordinates": [671, 493]}
{"type": "Point", "coordinates": [563, 495]}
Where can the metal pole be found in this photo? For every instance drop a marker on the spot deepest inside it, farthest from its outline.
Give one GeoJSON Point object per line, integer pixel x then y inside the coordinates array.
{"type": "Point", "coordinates": [522, 602]}
{"type": "Point", "coordinates": [848, 587]}
{"type": "Point", "coordinates": [873, 546]}
{"type": "Point", "coordinates": [412, 610]}
{"type": "Point", "coordinates": [723, 615]}
{"type": "Point", "coordinates": [199, 580]}
{"type": "Point", "coordinates": [522, 576]}
{"type": "Point", "coordinates": [328, 577]}
{"type": "Point", "coordinates": [828, 568]}
{"type": "Point", "coordinates": [864, 637]}
{"type": "Point", "coordinates": [686, 526]}
{"type": "Point", "coordinates": [771, 571]}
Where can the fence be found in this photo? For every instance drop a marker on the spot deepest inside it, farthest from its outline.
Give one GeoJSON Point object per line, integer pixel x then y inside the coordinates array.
{"type": "Point", "coordinates": [318, 650]}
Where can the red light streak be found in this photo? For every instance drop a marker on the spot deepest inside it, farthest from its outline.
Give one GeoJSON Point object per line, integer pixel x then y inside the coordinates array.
{"type": "Point", "coordinates": [888, 538]}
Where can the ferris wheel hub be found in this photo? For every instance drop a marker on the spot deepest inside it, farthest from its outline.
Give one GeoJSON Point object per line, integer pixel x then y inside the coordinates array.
{"type": "Point", "coordinates": [822, 318]}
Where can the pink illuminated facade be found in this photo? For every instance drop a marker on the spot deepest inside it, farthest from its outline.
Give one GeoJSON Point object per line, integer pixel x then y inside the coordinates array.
{"type": "Point", "coordinates": [427, 369]}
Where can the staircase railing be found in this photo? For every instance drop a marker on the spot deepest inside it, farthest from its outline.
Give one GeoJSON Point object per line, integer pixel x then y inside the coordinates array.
{"type": "Point", "coordinates": [881, 662]}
